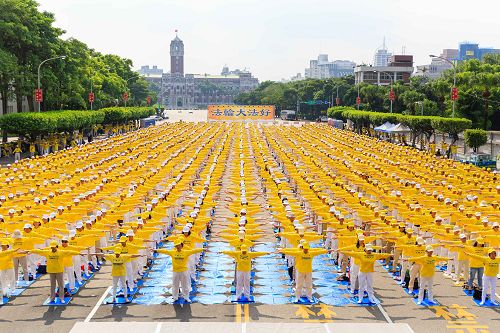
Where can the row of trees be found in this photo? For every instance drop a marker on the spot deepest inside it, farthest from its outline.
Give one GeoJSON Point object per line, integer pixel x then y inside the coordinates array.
{"type": "Point", "coordinates": [28, 36]}
{"type": "Point", "coordinates": [419, 125]}
{"type": "Point", "coordinates": [34, 124]}
{"type": "Point", "coordinates": [478, 83]}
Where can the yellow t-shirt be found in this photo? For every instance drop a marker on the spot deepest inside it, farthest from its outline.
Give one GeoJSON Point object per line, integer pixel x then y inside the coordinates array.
{"type": "Point", "coordinates": [55, 262]}
{"type": "Point", "coordinates": [477, 251]}
{"type": "Point", "coordinates": [6, 259]}
{"type": "Point", "coordinates": [118, 267]}
{"type": "Point", "coordinates": [427, 264]}
{"type": "Point", "coordinates": [303, 261]}
{"type": "Point", "coordinates": [179, 258]}
{"type": "Point", "coordinates": [490, 265]}
{"type": "Point", "coordinates": [366, 261]}
{"type": "Point", "coordinates": [244, 260]}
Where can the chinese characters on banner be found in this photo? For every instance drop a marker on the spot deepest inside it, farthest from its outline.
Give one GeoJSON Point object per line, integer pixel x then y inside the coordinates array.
{"type": "Point", "coordinates": [240, 112]}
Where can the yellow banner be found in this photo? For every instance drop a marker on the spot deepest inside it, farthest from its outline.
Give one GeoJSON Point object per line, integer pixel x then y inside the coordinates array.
{"type": "Point", "coordinates": [240, 112]}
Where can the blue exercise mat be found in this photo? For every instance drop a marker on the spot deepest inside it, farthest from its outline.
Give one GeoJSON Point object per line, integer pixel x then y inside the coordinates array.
{"type": "Point", "coordinates": [150, 300]}
{"type": "Point", "coordinates": [272, 299]}
{"type": "Point", "coordinates": [57, 301]}
{"type": "Point", "coordinates": [270, 282]}
{"type": "Point", "coordinates": [148, 290]}
{"type": "Point", "coordinates": [304, 300]}
{"type": "Point", "coordinates": [271, 274]}
{"type": "Point", "coordinates": [365, 302]}
{"type": "Point", "coordinates": [334, 300]}
{"type": "Point", "coordinates": [212, 290]}
{"type": "Point", "coordinates": [270, 290]}
{"type": "Point", "coordinates": [330, 291]}
{"type": "Point", "coordinates": [4, 300]}
{"type": "Point", "coordinates": [119, 300]}
{"type": "Point", "coordinates": [211, 299]}
{"type": "Point", "coordinates": [487, 304]}
{"type": "Point", "coordinates": [426, 302]}
{"type": "Point", "coordinates": [324, 275]}
{"type": "Point", "coordinates": [242, 300]}
{"type": "Point", "coordinates": [468, 292]}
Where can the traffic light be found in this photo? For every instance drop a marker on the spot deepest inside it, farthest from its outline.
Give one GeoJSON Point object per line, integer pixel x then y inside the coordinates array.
{"type": "Point", "coordinates": [392, 95]}
{"type": "Point", "coordinates": [91, 97]}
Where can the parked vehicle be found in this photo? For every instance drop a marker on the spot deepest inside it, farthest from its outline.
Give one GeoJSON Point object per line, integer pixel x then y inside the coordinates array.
{"type": "Point", "coordinates": [288, 115]}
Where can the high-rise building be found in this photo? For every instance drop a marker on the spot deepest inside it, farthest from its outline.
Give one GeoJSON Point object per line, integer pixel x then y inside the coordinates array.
{"type": "Point", "coordinates": [177, 57]}
{"type": "Point", "coordinates": [381, 56]}
{"type": "Point", "coordinates": [399, 68]}
{"type": "Point", "coordinates": [196, 91]}
{"type": "Point", "coordinates": [467, 50]}
{"type": "Point", "coordinates": [323, 69]}
{"type": "Point", "coordinates": [153, 74]}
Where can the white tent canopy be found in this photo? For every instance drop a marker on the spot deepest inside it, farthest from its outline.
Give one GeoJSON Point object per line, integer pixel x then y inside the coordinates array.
{"type": "Point", "coordinates": [399, 128]}
{"type": "Point", "coordinates": [384, 127]}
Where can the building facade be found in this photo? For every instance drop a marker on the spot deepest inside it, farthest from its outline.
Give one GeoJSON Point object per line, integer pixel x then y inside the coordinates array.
{"type": "Point", "coordinates": [321, 68]}
{"type": "Point", "coordinates": [467, 51]}
{"type": "Point", "coordinates": [197, 91]}
{"type": "Point", "coordinates": [153, 74]}
{"type": "Point", "coordinates": [399, 68]}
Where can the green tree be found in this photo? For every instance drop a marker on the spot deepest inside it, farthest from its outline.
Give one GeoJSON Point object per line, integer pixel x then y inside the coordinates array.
{"type": "Point", "coordinates": [475, 138]}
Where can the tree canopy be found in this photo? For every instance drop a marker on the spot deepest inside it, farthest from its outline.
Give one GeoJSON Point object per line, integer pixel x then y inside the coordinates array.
{"type": "Point", "coordinates": [28, 36]}
{"type": "Point", "coordinates": [478, 84]}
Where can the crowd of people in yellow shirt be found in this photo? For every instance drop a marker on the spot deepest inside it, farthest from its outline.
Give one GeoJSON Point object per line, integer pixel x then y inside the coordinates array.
{"type": "Point", "coordinates": [363, 199]}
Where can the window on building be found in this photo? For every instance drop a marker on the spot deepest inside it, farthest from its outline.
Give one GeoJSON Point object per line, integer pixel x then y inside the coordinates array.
{"type": "Point", "coordinates": [370, 76]}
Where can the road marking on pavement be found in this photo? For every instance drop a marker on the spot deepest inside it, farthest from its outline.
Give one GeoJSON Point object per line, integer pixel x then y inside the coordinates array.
{"type": "Point", "coordinates": [238, 313]}
{"type": "Point", "coordinates": [158, 328]}
{"type": "Point", "coordinates": [310, 313]}
{"type": "Point", "coordinates": [247, 313]}
{"type": "Point", "coordinates": [384, 313]}
{"type": "Point", "coordinates": [99, 302]}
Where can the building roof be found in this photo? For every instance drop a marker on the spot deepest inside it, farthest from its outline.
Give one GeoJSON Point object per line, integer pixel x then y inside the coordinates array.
{"type": "Point", "coordinates": [210, 76]}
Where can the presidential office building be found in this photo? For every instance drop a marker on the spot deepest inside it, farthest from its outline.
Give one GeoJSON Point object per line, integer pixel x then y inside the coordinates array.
{"type": "Point", "coordinates": [196, 91]}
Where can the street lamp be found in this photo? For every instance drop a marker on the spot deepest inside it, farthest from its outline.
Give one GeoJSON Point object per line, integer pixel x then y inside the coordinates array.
{"type": "Point", "coordinates": [39, 67]}
{"type": "Point", "coordinates": [391, 97]}
{"type": "Point", "coordinates": [454, 79]}
{"type": "Point", "coordinates": [126, 81]}
{"type": "Point", "coordinates": [421, 104]}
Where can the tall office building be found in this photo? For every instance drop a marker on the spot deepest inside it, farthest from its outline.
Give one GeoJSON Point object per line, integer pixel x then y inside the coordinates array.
{"type": "Point", "coordinates": [323, 69]}
{"type": "Point", "coordinates": [382, 56]}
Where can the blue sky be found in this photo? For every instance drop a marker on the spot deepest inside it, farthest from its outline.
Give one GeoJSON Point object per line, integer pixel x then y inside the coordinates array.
{"type": "Point", "coordinates": [274, 38]}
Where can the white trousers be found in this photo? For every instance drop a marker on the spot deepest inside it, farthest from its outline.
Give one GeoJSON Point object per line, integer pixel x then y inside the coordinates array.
{"type": "Point", "coordinates": [70, 275]}
{"type": "Point", "coordinates": [366, 284]}
{"type": "Point", "coordinates": [414, 272]}
{"type": "Point", "coordinates": [120, 279]}
{"type": "Point", "coordinates": [453, 261]}
{"type": "Point", "coordinates": [130, 274]}
{"type": "Point", "coordinates": [242, 284]}
{"type": "Point", "coordinates": [7, 281]}
{"type": "Point", "coordinates": [77, 267]}
{"type": "Point", "coordinates": [303, 280]}
{"type": "Point", "coordinates": [353, 275]}
{"type": "Point", "coordinates": [489, 284]}
{"type": "Point", "coordinates": [425, 283]}
{"type": "Point", "coordinates": [31, 257]}
{"type": "Point", "coordinates": [180, 280]}
{"type": "Point", "coordinates": [463, 267]}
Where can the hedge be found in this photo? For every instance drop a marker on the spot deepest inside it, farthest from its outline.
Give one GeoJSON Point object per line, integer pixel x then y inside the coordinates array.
{"type": "Point", "coordinates": [32, 124]}
{"type": "Point", "coordinates": [418, 124]}
{"type": "Point", "coordinates": [118, 115]}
